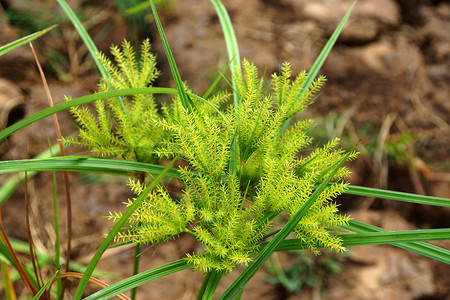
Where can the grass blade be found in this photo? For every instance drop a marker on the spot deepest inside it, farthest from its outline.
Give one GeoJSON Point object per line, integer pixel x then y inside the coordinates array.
{"type": "Point", "coordinates": [139, 279]}
{"type": "Point", "coordinates": [109, 238]}
{"type": "Point", "coordinates": [136, 258]}
{"type": "Point", "coordinates": [79, 101]}
{"type": "Point", "coordinates": [205, 283]}
{"type": "Point", "coordinates": [261, 258]}
{"type": "Point", "coordinates": [389, 237]}
{"type": "Point", "coordinates": [84, 164]}
{"type": "Point", "coordinates": [421, 248]}
{"type": "Point", "coordinates": [88, 99]}
{"type": "Point", "coordinates": [321, 58]}
{"type": "Point", "coordinates": [398, 196]}
{"type": "Point", "coordinates": [213, 282]}
{"type": "Point", "coordinates": [184, 97]}
{"type": "Point", "coordinates": [324, 54]}
{"type": "Point", "coordinates": [231, 42]}
{"type": "Point", "coordinates": [45, 286]}
{"type": "Point", "coordinates": [17, 43]}
{"type": "Point", "coordinates": [84, 36]}
{"type": "Point", "coordinates": [375, 238]}
{"type": "Point", "coordinates": [57, 255]}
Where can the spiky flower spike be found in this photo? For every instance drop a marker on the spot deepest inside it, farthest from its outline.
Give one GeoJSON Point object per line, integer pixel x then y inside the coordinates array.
{"type": "Point", "coordinates": [244, 171]}
{"type": "Point", "coordinates": [123, 127]}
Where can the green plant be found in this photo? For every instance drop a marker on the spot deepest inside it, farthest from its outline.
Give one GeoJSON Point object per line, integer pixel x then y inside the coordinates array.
{"type": "Point", "coordinates": [122, 127]}
{"type": "Point", "coordinates": [229, 202]}
{"type": "Point", "coordinates": [243, 170]}
{"type": "Point", "coordinates": [305, 271]}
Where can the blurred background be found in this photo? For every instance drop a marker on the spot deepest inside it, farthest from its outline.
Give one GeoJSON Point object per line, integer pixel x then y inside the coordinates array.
{"type": "Point", "coordinates": [387, 88]}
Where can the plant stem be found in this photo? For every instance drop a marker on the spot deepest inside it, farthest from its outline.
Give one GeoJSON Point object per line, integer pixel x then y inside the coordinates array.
{"type": "Point", "coordinates": [136, 258]}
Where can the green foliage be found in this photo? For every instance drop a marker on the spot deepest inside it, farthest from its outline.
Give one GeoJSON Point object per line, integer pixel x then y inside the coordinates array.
{"type": "Point", "coordinates": [242, 174]}
{"type": "Point", "coordinates": [305, 271]}
{"type": "Point", "coordinates": [31, 17]}
{"type": "Point", "coordinates": [122, 127]}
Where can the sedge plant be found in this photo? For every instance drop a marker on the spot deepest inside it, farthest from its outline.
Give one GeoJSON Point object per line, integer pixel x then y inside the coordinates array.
{"type": "Point", "coordinates": [246, 165]}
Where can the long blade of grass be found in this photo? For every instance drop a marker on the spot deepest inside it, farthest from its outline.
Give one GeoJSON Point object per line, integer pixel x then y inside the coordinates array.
{"type": "Point", "coordinates": [216, 81]}
{"type": "Point", "coordinates": [84, 164]}
{"type": "Point", "coordinates": [324, 53]}
{"type": "Point", "coordinates": [17, 43]}
{"type": "Point", "coordinates": [231, 43]}
{"type": "Point", "coordinates": [205, 283]}
{"type": "Point", "coordinates": [376, 238]}
{"type": "Point", "coordinates": [184, 97]}
{"type": "Point", "coordinates": [398, 196]}
{"type": "Point", "coordinates": [389, 237]}
{"type": "Point", "coordinates": [234, 61]}
{"type": "Point", "coordinates": [84, 100]}
{"type": "Point", "coordinates": [57, 259]}
{"type": "Point", "coordinates": [140, 279]}
{"type": "Point", "coordinates": [84, 36]}
{"type": "Point", "coordinates": [136, 259]}
{"type": "Point", "coordinates": [321, 58]}
{"type": "Point", "coordinates": [265, 253]}
{"type": "Point", "coordinates": [45, 286]}
{"type": "Point", "coordinates": [109, 238]}
{"type": "Point", "coordinates": [421, 248]}
{"type": "Point", "coordinates": [213, 282]}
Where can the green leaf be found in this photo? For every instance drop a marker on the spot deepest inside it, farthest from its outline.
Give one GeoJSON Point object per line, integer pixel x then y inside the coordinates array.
{"type": "Point", "coordinates": [398, 196]}
{"type": "Point", "coordinates": [205, 283]}
{"type": "Point", "coordinates": [184, 97]}
{"type": "Point", "coordinates": [324, 54]}
{"type": "Point", "coordinates": [139, 279]}
{"type": "Point", "coordinates": [389, 237]}
{"type": "Point", "coordinates": [411, 240]}
{"type": "Point", "coordinates": [84, 36]}
{"type": "Point", "coordinates": [375, 238]}
{"type": "Point", "coordinates": [88, 99]}
{"type": "Point", "coordinates": [231, 42]}
{"type": "Point", "coordinates": [83, 164]}
{"type": "Point", "coordinates": [321, 58]}
{"type": "Point", "coordinates": [90, 45]}
{"type": "Point", "coordinates": [421, 248]}
{"type": "Point", "coordinates": [43, 288]}
{"type": "Point", "coordinates": [213, 282]}
{"type": "Point", "coordinates": [79, 101]}
{"type": "Point", "coordinates": [109, 238]}
{"type": "Point", "coordinates": [17, 43]}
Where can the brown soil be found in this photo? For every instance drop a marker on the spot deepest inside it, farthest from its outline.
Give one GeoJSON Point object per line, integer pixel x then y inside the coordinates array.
{"type": "Point", "coordinates": [388, 79]}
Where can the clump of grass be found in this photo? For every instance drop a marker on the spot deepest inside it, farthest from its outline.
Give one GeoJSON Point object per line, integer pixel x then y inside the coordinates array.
{"type": "Point", "coordinates": [230, 209]}
{"type": "Point", "coordinates": [245, 168]}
